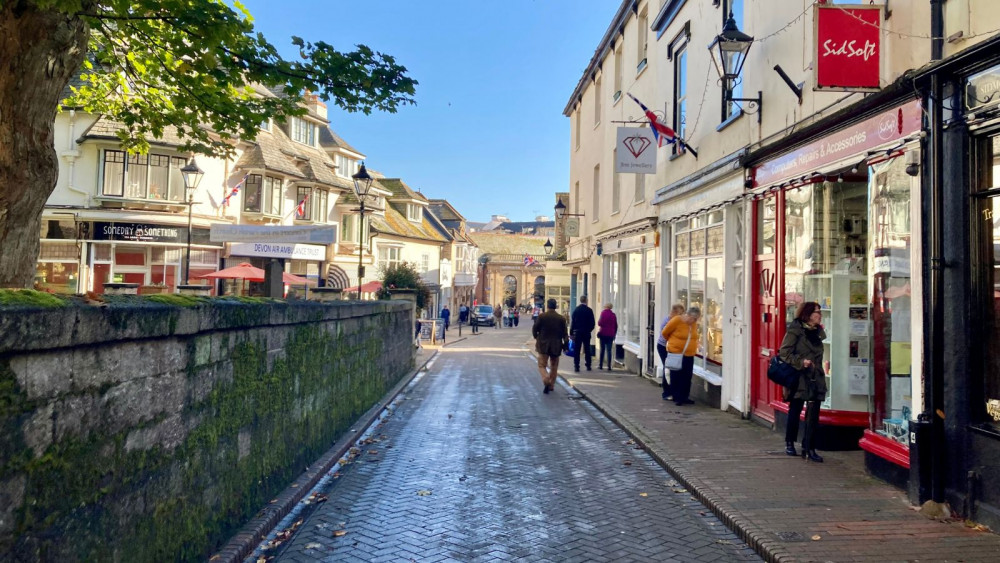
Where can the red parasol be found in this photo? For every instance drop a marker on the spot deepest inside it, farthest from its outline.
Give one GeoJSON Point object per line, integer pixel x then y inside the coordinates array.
{"type": "Point", "coordinates": [367, 287]}
{"type": "Point", "coordinates": [244, 271]}
{"type": "Point", "coordinates": [292, 279]}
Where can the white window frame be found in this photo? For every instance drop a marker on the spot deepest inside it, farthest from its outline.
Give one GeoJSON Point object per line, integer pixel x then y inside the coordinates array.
{"type": "Point", "coordinates": [597, 192]}
{"type": "Point", "coordinates": [389, 256]}
{"type": "Point", "coordinates": [414, 213]}
{"type": "Point", "coordinates": [302, 131]}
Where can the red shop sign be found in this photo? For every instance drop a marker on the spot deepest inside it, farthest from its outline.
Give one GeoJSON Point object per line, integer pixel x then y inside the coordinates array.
{"type": "Point", "coordinates": [848, 47]}
{"type": "Point", "coordinates": [886, 127]}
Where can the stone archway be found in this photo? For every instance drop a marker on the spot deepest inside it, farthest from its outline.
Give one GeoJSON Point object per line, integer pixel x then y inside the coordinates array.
{"type": "Point", "coordinates": [509, 291]}
{"type": "Point", "coordinates": [538, 296]}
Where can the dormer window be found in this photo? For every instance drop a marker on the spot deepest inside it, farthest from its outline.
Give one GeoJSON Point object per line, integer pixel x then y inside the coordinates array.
{"type": "Point", "coordinates": [302, 131]}
{"type": "Point", "coordinates": [414, 212]}
{"type": "Point", "coordinates": [346, 166]}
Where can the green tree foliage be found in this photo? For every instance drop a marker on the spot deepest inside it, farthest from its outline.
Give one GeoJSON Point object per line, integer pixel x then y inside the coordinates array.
{"type": "Point", "coordinates": [195, 65]}
{"type": "Point", "coordinates": [404, 276]}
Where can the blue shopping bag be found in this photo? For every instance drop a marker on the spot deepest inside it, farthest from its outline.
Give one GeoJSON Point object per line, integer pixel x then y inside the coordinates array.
{"type": "Point", "coordinates": [570, 349]}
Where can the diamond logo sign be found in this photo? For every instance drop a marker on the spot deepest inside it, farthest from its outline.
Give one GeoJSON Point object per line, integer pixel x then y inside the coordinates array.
{"type": "Point", "coordinates": [636, 151]}
{"type": "Point", "coordinates": [636, 145]}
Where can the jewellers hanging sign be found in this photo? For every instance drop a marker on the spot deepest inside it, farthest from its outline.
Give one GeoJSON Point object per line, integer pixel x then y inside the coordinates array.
{"type": "Point", "coordinates": [848, 47]}
{"type": "Point", "coordinates": [636, 151]}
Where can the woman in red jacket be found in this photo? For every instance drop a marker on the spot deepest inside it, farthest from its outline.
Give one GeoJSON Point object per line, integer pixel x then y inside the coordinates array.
{"type": "Point", "coordinates": [607, 329]}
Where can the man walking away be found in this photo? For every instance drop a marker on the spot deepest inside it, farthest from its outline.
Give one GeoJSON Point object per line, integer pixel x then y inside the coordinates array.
{"type": "Point", "coordinates": [446, 316]}
{"type": "Point", "coordinates": [463, 313]}
{"type": "Point", "coordinates": [551, 337]}
{"type": "Point", "coordinates": [581, 325]}
{"type": "Point", "coordinates": [475, 323]}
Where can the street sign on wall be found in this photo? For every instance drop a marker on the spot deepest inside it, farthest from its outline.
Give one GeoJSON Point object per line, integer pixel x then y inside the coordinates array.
{"type": "Point", "coordinates": [848, 47]}
{"type": "Point", "coordinates": [636, 151]}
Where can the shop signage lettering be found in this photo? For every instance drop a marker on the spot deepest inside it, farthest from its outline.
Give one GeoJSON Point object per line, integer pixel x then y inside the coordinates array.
{"type": "Point", "coordinates": [143, 232]}
{"type": "Point", "coordinates": [982, 88]}
{"type": "Point", "coordinates": [315, 234]}
{"type": "Point", "coordinates": [848, 48]}
{"type": "Point", "coordinates": [278, 250]}
{"type": "Point", "coordinates": [993, 409]}
{"type": "Point", "coordinates": [886, 127]}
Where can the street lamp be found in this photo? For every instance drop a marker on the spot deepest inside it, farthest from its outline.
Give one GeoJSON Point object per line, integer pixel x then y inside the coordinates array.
{"type": "Point", "coordinates": [547, 246]}
{"type": "Point", "coordinates": [192, 176]}
{"type": "Point", "coordinates": [362, 184]}
{"type": "Point", "coordinates": [561, 211]}
{"type": "Point", "coordinates": [729, 52]}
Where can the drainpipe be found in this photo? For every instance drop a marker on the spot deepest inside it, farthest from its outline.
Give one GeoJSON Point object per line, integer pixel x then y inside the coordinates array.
{"type": "Point", "coordinates": [938, 456]}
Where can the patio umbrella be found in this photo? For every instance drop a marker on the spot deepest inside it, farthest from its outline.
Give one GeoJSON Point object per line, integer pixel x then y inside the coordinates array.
{"type": "Point", "coordinates": [292, 279]}
{"type": "Point", "coordinates": [242, 272]}
{"type": "Point", "coordinates": [367, 287]}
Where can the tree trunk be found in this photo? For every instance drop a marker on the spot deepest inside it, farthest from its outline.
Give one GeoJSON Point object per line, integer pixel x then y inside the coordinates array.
{"type": "Point", "coordinates": [40, 51]}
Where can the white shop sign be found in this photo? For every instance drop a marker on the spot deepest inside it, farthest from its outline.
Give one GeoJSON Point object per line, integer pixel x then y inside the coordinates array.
{"type": "Point", "coordinates": [279, 250]}
{"type": "Point", "coordinates": [316, 234]}
{"type": "Point", "coordinates": [636, 151]}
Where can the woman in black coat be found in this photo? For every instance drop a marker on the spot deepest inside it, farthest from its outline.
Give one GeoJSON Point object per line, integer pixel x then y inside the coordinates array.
{"type": "Point", "coordinates": [802, 347]}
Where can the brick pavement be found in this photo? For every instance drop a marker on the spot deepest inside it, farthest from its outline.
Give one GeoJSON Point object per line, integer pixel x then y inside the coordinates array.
{"type": "Point", "coordinates": [778, 503]}
{"type": "Point", "coordinates": [476, 464]}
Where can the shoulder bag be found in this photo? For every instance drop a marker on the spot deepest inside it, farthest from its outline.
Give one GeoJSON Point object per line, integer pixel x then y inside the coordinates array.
{"type": "Point", "coordinates": [675, 361]}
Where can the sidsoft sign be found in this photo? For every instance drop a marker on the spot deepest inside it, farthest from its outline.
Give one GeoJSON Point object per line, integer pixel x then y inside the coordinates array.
{"type": "Point", "coordinates": [848, 48]}
{"type": "Point", "coordinates": [886, 127]}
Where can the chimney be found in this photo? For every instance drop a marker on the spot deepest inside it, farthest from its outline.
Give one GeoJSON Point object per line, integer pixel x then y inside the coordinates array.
{"type": "Point", "coordinates": [315, 105]}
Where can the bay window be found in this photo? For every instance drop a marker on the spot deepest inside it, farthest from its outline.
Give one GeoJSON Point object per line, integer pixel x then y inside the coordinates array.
{"type": "Point", "coordinates": [262, 194]}
{"type": "Point", "coordinates": [143, 176]}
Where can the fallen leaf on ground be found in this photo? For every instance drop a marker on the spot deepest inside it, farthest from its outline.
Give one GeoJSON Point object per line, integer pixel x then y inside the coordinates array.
{"type": "Point", "coordinates": [274, 500]}
{"type": "Point", "coordinates": [423, 493]}
{"type": "Point", "coordinates": [265, 559]}
{"type": "Point", "coordinates": [215, 557]}
{"type": "Point", "coordinates": [372, 452]}
{"type": "Point", "coordinates": [313, 545]}
{"type": "Point", "coordinates": [679, 490]}
{"type": "Point", "coordinates": [295, 485]}
{"type": "Point", "coordinates": [644, 494]}
{"type": "Point", "coordinates": [817, 538]}
{"type": "Point", "coordinates": [339, 533]}
{"type": "Point", "coordinates": [627, 462]}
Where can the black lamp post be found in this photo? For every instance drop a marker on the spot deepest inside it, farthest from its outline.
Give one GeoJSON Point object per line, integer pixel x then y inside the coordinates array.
{"type": "Point", "coordinates": [729, 53]}
{"type": "Point", "coordinates": [192, 176]}
{"type": "Point", "coordinates": [547, 246]}
{"type": "Point", "coordinates": [362, 184]}
{"type": "Point", "coordinates": [561, 211]}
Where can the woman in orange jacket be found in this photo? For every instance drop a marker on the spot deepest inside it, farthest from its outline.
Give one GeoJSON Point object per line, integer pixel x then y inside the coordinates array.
{"type": "Point", "coordinates": [682, 337]}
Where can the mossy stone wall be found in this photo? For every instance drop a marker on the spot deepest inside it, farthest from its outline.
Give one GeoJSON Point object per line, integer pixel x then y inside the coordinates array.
{"type": "Point", "coordinates": [147, 431]}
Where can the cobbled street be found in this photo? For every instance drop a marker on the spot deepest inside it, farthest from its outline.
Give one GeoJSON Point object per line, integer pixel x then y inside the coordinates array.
{"type": "Point", "coordinates": [476, 464]}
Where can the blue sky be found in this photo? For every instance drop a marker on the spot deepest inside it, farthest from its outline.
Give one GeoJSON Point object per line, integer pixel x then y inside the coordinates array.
{"type": "Point", "coordinates": [487, 132]}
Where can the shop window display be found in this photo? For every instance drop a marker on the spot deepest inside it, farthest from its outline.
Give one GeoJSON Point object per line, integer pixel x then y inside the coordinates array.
{"type": "Point", "coordinates": [700, 276]}
{"type": "Point", "coordinates": [989, 256]}
{"type": "Point", "coordinates": [826, 245]}
{"type": "Point", "coordinates": [891, 303]}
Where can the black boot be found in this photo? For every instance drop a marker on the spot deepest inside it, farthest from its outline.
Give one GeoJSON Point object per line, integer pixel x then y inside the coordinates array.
{"type": "Point", "coordinates": [811, 455]}
{"type": "Point", "coordinates": [790, 448]}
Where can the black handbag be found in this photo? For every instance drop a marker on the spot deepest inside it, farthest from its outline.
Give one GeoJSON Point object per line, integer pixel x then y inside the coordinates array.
{"type": "Point", "coordinates": [782, 373]}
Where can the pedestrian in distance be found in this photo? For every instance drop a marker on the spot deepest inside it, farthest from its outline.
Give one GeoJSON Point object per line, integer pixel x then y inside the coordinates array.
{"type": "Point", "coordinates": [607, 329]}
{"type": "Point", "coordinates": [497, 314]}
{"type": "Point", "coordinates": [551, 338]}
{"type": "Point", "coordinates": [517, 317]}
{"type": "Point", "coordinates": [446, 316]}
{"type": "Point", "coordinates": [475, 324]}
{"type": "Point", "coordinates": [681, 335]}
{"type": "Point", "coordinates": [661, 348]}
{"type": "Point", "coordinates": [416, 337]}
{"type": "Point", "coordinates": [463, 313]}
{"type": "Point", "coordinates": [581, 326]}
{"type": "Point", "coordinates": [802, 348]}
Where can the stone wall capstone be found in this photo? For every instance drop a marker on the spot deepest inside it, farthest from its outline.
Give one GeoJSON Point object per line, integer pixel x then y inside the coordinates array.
{"type": "Point", "coordinates": [142, 431]}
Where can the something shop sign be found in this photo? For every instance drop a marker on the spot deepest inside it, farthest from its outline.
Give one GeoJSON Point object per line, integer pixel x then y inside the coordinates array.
{"type": "Point", "coordinates": [848, 48]}
{"type": "Point", "coordinates": [145, 232]}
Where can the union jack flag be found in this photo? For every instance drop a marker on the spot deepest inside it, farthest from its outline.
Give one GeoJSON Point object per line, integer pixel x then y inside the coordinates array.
{"type": "Point", "coordinates": [661, 132]}
{"type": "Point", "coordinates": [235, 191]}
{"type": "Point", "coordinates": [300, 210]}
{"type": "Point", "coordinates": [529, 260]}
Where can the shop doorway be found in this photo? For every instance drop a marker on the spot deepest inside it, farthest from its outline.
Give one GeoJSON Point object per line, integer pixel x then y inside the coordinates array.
{"type": "Point", "coordinates": [651, 327]}
{"type": "Point", "coordinates": [768, 328]}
